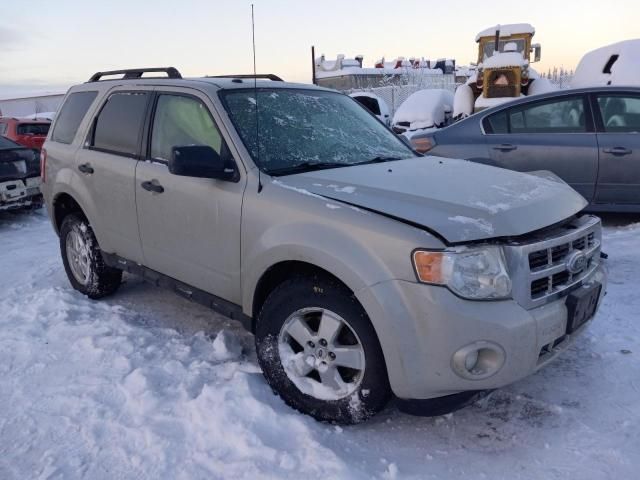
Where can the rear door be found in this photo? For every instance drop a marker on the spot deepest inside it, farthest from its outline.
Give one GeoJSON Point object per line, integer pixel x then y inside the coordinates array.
{"type": "Point", "coordinates": [107, 166]}
{"type": "Point", "coordinates": [190, 227]}
{"type": "Point", "coordinates": [618, 121]}
{"type": "Point", "coordinates": [555, 135]}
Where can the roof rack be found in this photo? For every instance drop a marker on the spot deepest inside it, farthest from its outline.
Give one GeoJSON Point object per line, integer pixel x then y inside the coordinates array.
{"type": "Point", "coordinates": [264, 76]}
{"type": "Point", "coordinates": [134, 73]}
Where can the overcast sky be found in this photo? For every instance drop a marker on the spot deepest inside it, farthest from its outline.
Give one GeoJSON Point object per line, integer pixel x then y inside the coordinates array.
{"type": "Point", "coordinates": [52, 44]}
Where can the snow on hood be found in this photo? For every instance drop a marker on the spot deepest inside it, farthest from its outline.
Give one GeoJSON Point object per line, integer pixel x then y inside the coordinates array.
{"type": "Point", "coordinates": [460, 200]}
{"type": "Point", "coordinates": [506, 30]}
{"type": "Point", "coordinates": [625, 71]}
{"type": "Point", "coordinates": [504, 59]}
{"type": "Point", "coordinates": [425, 108]}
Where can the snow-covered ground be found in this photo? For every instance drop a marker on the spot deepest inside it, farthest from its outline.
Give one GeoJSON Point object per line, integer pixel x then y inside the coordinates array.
{"type": "Point", "coordinates": [148, 385]}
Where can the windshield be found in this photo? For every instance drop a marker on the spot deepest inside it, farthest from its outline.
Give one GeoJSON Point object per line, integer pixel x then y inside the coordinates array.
{"type": "Point", "coordinates": [33, 128]}
{"type": "Point", "coordinates": [488, 47]}
{"type": "Point", "coordinates": [310, 128]}
{"type": "Point", "coordinates": [5, 143]}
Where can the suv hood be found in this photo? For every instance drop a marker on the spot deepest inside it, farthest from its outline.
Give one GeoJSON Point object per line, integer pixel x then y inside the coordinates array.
{"type": "Point", "coordinates": [459, 200]}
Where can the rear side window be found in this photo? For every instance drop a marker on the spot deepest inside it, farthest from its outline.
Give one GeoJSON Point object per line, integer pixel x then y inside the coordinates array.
{"type": "Point", "coordinates": [71, 115]}
{"type": "Point", "coordinates": [620, 113]}
{"type": "Point", "coordinates": [118, 127]}
{"type": "Point", "coordinates": [33, 129]}
{"type": "Point", "coordinates": [3, 128]}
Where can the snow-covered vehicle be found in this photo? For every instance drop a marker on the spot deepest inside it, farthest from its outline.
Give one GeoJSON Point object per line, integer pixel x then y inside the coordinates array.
{"type": "Point", "coordinates": [617, 64]}
{"type": "Point", "coordinates": [374, 104]}
{"type": "Point", "coordinates": [424, 109]}
{"type": "Point", "coordinates": [503, 71]}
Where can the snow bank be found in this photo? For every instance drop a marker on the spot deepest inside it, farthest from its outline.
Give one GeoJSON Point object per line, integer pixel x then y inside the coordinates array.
{"type": "Point", "coordinates": [541, 85]}
{"type": "Point", "coordinates": [625, 71]}
{"type": "Point", "coordinates": [425, 108]}
{"type": "Point", "coordinates": [506, 30]}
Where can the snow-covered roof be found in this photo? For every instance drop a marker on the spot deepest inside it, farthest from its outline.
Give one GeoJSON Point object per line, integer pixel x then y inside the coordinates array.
{"type": "Point", "coordinates": [506, 30]}
{"type": "Point", "coordinates": [504, 59]}
{"type": "Point", "coordinates": [425, 108]}
{"type": "Point", "coordinates": [625, 70]}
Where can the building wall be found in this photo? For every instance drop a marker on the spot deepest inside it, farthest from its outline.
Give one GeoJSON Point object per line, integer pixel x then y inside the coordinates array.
{"type": "Point", "coordinates": [20, 107]}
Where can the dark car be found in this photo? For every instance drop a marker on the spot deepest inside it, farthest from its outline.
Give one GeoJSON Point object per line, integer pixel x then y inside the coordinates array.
{"type": "Point", "coordinates": [19, 176]}
{"type": "Point", "coordinates": [28, 133]}
{"type": "Point", "coordinates": [589, 137]}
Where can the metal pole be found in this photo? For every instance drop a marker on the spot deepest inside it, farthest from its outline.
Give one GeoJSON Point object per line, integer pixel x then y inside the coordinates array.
{"type": "Point", "coordinates": [313, 65]}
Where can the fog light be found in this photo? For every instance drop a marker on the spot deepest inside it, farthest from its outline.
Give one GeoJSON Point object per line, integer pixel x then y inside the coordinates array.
{"type": "Point", "coordinates": [471, 360]}
{"type": "Point", "coordinates": [478, 360]}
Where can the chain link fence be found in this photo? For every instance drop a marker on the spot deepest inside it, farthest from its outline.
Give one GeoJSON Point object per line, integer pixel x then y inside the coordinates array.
{"type": "Point", "coordinates": [394, 95]}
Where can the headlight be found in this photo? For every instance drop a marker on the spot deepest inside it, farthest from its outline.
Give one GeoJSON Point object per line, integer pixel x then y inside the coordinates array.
{"type": "Point", "coordinates": [474, 273]}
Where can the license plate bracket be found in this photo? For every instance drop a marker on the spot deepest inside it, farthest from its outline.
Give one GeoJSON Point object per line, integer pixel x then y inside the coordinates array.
{"type": "Point", "coordinates": [581, 305]}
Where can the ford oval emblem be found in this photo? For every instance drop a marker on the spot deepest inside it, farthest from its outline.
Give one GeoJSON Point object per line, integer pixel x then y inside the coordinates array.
{"type": "Point", "coordinates": [576, 262]}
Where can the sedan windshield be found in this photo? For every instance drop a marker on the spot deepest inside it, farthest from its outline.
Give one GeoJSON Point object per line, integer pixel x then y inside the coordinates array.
{"type": "Point", "coordinates": [302, 130]}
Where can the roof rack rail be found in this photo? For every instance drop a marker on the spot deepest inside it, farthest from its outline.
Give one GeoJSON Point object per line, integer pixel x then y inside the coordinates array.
{"type": "Point", "coordinates": [134, 73]}
{"type": "Point", "coordinates": [264, 76]}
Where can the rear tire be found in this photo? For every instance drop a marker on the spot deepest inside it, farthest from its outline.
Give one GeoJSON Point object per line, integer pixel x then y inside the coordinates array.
{"type": "Point", "coordinates": [339, 374]}
{"type": "Point", "coordinates": [82, 259]}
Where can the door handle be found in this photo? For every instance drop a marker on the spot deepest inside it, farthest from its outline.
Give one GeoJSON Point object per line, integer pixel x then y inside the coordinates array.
{"type": "Point", "coordinates": [505, 147]}
{"type": "Point", "coordinates": [153, 186]}
{"type": "Point", "coordinates": [86, 168]}
{"type": "Point", "coordinates": [617, 151]}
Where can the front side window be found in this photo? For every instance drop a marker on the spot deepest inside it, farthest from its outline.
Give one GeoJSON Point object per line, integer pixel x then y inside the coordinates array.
{"type": "Point", "coordinates": [497, 123]}
{"type": "Point", "coordinates": [118, 127]}
{"type": "Point", "coordinates": [620, 113]}
{"type": "Point", "coordinates": [298, 127]}
{"type": "Point", "coordinates": [558, 116]}
{"type": "Point", "coordinates": [488, 47]}
{"type": "Point", "coordinates": [71, 114]}
{"type": "Point", "coordinates": [181, 121]}
{"type": "Point", "coordinates": [3, 128]}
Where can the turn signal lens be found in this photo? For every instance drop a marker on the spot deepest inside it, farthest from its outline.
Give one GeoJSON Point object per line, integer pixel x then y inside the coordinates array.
{"type": "Point", "coordinates": [429, 266]}
{"type": "Point", "coordinates": [423, 145]}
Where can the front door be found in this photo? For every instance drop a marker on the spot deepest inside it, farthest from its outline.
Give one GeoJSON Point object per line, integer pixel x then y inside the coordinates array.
{"type": "Point", "coordinates": [619, 148]}
{"type": "Point", "coordinates": [189, 227]}
{"type": "Point", "coordinates": [555, 135]}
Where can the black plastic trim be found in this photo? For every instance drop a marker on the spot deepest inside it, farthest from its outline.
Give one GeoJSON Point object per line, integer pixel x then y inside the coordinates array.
{"type": "Point", "coordinates": [217, 304]}
{"type": "Point", "coordinates": [135, 73]}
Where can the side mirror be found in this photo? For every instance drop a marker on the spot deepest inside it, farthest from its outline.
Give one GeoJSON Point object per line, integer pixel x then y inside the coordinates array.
{"type": "Point", "coordinates": [200, 161]}
{"type": "Point", "coordinates": [537, 52]}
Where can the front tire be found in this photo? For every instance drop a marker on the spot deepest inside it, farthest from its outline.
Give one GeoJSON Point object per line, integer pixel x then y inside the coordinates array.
{"type": "Point", "coordinates": [319, 351]}
{"type": "Point", "coordinates": [82, 259]}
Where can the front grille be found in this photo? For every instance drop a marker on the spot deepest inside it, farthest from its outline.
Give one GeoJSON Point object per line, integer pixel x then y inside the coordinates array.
{"type": "Point", "coordinates": [499, 91]}
{"type": "Point", "coordinates": [541, 270]}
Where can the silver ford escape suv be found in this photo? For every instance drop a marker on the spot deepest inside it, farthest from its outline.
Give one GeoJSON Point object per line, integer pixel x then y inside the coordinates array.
{"type": "Point", "coordinates": [364, 270]}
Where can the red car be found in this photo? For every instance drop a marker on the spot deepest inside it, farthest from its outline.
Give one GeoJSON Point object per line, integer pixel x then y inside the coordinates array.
{"type": "Point", "coordinates": [26, 132]}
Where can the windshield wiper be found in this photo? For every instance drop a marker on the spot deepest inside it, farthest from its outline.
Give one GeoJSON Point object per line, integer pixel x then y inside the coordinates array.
{"type": "Point", "coordinates": [306, 167]}
{"type": "Point", "coordinates": [377, 160]}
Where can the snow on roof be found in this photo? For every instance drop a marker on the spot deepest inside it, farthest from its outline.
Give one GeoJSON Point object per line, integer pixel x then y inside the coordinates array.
{"type": "Point", "coordinates": [625, 71]}
{"type": "Point", "coordinates": [506, 30]}
{"type": "Point", "coordinates": [504, 59]}
{"type": "Point", "coordinates": [425, 108]}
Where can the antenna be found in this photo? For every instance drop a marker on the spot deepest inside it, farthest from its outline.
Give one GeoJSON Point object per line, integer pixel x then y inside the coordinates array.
{"type": "Point", "coordinates": [255, 89]}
